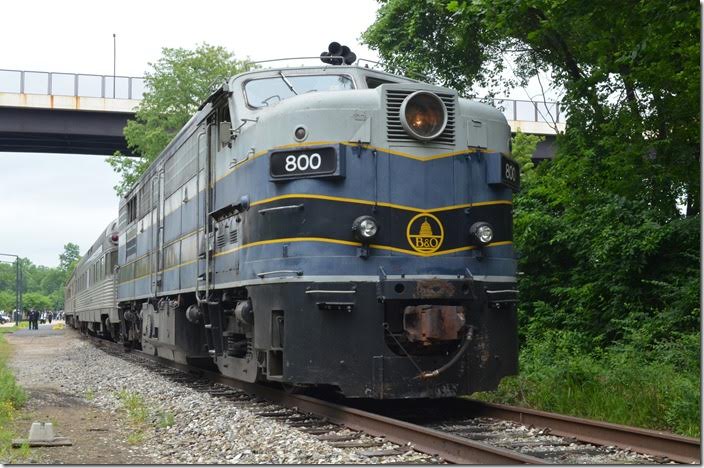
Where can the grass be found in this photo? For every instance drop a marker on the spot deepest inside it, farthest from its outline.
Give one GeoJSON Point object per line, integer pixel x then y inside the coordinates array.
{"type": "Point", "coordinates": [165, 419]}
{"type": "Point", "coordinates": [135, 406]}
{"type": "Point", "coordinates": [138, 414]}
{"type": "Point", "coordinates": [12, 397]}
{"type": "Point", "coordinates": [135, 437]}
{"type": "Point", "coordinates": [90, 394]}
{"type": "Point", "coordinates": [13, 328]}
{"type": "Point", "coordinates": [659, 389]}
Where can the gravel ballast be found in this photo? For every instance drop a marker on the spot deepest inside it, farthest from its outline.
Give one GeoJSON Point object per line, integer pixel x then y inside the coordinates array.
{"type": "Point", "coordinates": [184, 425]}
{"type": "Point", "coordinates": [204, 429]}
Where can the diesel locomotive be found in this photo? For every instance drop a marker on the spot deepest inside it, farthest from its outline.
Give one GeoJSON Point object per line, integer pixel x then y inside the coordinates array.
{"type": "Point", "coordinates": [326, 226]}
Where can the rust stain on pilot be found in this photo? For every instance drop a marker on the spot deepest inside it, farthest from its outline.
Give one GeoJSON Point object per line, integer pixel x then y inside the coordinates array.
{"type": "Point", "coordinates": [433, 323]}
{"type": "Point", "coordinates": [434, 288]}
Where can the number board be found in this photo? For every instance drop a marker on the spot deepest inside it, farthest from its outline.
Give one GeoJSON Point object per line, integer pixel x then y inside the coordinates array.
{"type": "Point", "coordinates": [501, 170]}
{"type": "Point", "coordinates": [510, 173]}
{"type": "Point", "coordinates": [303, 163]}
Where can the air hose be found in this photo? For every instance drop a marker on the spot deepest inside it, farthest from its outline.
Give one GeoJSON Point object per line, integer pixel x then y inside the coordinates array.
{"type": "Point", "coordinates": [451, 362]}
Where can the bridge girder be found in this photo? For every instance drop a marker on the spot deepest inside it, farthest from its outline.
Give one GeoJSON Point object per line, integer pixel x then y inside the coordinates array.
{"type": "Point", "coordinates": [37, 130]}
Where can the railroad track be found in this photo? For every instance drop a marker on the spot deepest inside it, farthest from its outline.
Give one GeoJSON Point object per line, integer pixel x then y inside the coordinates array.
{"type": "Point", "coordinates": [454, 430]}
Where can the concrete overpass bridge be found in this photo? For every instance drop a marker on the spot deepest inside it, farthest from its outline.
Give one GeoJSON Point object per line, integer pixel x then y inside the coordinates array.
{"type": "Point", "coordinates": [49, 112]}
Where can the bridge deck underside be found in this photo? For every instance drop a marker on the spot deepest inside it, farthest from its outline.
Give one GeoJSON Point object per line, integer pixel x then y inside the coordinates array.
{"type": "Point", "coordinates": [62, 131]}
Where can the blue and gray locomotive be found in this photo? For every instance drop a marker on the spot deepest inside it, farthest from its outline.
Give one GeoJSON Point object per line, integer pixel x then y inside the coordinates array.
{"type": "Point", "coordinates": [328, 226]}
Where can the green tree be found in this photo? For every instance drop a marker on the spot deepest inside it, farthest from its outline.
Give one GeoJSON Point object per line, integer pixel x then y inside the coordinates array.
{"type": "Point", "coordinates": [69, 257]}
{"type": "Point", "coordinates": [604, 248]}
{"type": "Point", "coordinates": [630, 71]}
{"type": "Point", "coordinates": [7, 301]}
{"type": "Point", "coordinates": [176, 86]}
{"type": "Point", "coordinates": [35, 300]}
{"type": "Point", "coordinates": [610, 293]}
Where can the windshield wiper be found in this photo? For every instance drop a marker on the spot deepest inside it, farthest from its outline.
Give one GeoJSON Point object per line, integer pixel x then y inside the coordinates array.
{"type": "Point", "coordinates": [288, 83]}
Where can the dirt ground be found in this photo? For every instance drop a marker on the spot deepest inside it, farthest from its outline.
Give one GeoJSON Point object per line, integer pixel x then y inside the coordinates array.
{"type": "Point", "coordinates": [98, 436]}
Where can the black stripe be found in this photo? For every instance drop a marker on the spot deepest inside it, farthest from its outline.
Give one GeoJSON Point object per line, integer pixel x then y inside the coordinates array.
{"type": "Point", "coordinates": [333, 219]}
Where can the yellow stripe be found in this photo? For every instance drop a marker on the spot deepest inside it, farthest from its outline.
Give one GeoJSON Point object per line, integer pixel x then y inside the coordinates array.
{"type": "Point", "coordinates": [385, 204]}
{"type": "Point", "coordinates": [178, 266]}
{"type": "Point", "coordinates": [188, 234]}
{"type": "Point", "coordinates": [161, 271]}
{"type": "Point", "coordinates": [416, 157]}
{"type": "Point", "coordinates": [421, 254]}
{"type": "Point", "coordinates": [329, 241]}
{"type": "Point", "coordinates": [365, 146]}
{"type": "Point", "coordinates": [308, 143]}
{"type": "Point", "coordinates": [289, 239]}
{"type": "Point", "coordinates": [355, 244]}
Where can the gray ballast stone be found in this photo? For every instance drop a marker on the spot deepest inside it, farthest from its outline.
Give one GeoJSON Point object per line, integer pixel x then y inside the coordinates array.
{"type": "Point", "coordinates": [205, 429]}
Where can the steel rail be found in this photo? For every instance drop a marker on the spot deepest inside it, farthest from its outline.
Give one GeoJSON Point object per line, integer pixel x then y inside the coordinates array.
{"type": "Point", "coordinates": [658, 443]}
{"type": "Point", "coordinates": [461, 450]}
{"type": "Point", "coordinates": [448, 446]}
{"type": "Point", "coordinates": [451, 448]}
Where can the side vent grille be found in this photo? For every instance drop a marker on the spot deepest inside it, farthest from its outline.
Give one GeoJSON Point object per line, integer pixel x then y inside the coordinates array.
{"type": "Point", "coordinates": [233, 236]}
{"type": "Point", "coordinates": [131, 247]}
{"type": "Point", "coordinates": [394, 129]}
{"type": "Point", "coordinates": [220, 241]}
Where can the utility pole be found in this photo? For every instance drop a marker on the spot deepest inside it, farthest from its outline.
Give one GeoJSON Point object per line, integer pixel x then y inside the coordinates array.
{"type": "Point", "coordinates": [18, 292]}
{"type": "Point", "coordinates": [114, 64]}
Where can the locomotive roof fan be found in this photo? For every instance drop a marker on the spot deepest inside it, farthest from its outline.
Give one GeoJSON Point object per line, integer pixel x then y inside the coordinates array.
{"type": "Point", "coordinates": [338, 54]}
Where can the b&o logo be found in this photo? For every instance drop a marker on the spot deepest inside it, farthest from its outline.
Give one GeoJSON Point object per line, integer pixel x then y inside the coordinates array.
{"type": "Point", "coordinates": [425, 233]}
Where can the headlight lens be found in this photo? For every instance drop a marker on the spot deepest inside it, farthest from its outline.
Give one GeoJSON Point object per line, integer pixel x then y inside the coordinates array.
{"type": "Point", "coordinates": [423, 115]}
{"type": "Point", "coordinates": [482, 232]}
{"type": "Point", "coordinates": [365, 228]}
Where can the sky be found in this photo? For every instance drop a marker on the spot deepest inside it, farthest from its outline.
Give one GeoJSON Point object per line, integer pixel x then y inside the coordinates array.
{"type": "Point", "coordinates": [46, 200]}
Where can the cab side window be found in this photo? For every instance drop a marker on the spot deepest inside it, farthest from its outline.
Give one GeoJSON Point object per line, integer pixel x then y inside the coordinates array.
{"type": "Point", "coordinates": [373, 82]}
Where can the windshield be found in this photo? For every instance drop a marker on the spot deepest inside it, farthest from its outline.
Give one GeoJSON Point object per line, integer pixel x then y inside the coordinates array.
{"type": "Point", "coordinates": [267, 92]}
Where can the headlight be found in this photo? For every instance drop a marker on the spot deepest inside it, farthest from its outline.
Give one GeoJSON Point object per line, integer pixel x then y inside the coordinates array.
{"type": "Point", "coordinates": [423, 115]}
{"type": "Point", "coordinates": [482, 232]}
{"type": "Point", "coordinates": [365, 228]}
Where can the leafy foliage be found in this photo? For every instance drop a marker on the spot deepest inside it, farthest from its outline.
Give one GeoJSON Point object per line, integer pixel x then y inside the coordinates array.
{"type": "Point", "coordinates": [42, 287]}
{"type": "Point", "coordinates": [658, 389]}
{"type": "Point", "coordinates": [69, 258]}
{"type": "Point", "coordinates": [609, 231]}
{"type": "Point", "coordinates": [12, 397]}
{"type": "Point", "coordinates": [630, 71]}
{"type": "Point", "coordinates": [176, 86]}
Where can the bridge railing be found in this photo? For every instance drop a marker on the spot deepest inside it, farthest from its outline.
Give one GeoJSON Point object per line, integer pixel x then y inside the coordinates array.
{"type": "Point", "coordinates": [531, 111]}
{"type": "Point", "coordinates": [132, 87]}
{"type": "Point", "coordinates": [71, 84]}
